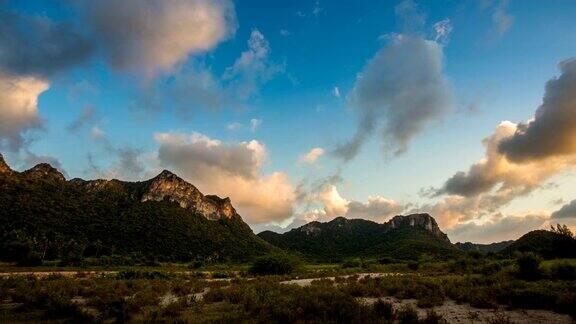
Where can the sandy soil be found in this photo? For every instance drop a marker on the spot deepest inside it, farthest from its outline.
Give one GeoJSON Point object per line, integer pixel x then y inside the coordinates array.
{"type": "Point", "coordinates": [65, 273]}
{"type": "Point", "coordinates": [308, 281]}
{"type": "Point", "coordinates": [464, 313]}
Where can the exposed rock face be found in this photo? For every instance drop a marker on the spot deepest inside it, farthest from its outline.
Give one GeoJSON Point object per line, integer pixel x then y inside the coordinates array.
{"type": "Point", "coordinates": [4, 168]}
{"type": "Point", "coordinates": [168, 186]}
{"type": "Point", "coordinates": [165, 186]}
{"type": "Point", "coordinates": [424, 221]}
{"type": "Point", "coordinates": [311, 228]}
{"type": "Point", "coordinates": [44, 170]}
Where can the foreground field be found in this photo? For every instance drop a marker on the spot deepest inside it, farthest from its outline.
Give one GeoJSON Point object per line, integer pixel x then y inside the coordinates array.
{"type": "Point", "coordinates": [469, 290]}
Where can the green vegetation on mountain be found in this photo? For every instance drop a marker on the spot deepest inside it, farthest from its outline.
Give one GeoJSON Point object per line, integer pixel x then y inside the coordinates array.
{"type": "Point", "coordinates": [45, 217]}
{"type": "Point", "coordinates": [484, 248]}
{"type": "Point", "coordinates": [559, 242]}
{"type": "Point", "coordinates": [403, 237]}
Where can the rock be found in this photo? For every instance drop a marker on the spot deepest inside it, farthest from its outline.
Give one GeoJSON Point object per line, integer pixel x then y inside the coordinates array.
{"type": "Point", "coordinates": [4, 168]}
{"type": "Point", "coordinates": [44, 171]}
{"type": "Point", "coordinates": [168, 186]}
{"type": "Point", "coordinates": [424, 221]}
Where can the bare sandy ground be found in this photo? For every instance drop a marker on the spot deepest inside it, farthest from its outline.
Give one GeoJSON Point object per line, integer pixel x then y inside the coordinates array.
{"type": "Point", "coordinates": [65, 273]}
{"type": "Point", "coordinates": [464, 313]}
{"type": "Point", "coordinates": [308, 281]}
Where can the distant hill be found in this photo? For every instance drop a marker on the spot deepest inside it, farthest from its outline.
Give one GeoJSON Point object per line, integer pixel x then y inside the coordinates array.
{"type": "Point", "coordinates": [403, 237]}
{"type": "Point", "coordinates": [484, 248]}
{"type": "Point", "coordinates": [165, 217]}
{"type": "Point", "coordinates": [548, 244]}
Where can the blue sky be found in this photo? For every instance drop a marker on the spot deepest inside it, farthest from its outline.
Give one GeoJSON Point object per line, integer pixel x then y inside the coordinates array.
{"type": "Point", "coordinates": [235, 110]}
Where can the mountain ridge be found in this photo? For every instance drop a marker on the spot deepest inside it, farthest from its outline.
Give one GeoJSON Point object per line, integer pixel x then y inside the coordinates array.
{"type": "Point", "coordinates": [165, 217]}
{"type": "Point", "coordinates": [403, 237]}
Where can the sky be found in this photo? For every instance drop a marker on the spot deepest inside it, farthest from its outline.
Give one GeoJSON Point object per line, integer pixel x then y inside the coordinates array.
{"type": "Point", "coordinates": [306, 110]}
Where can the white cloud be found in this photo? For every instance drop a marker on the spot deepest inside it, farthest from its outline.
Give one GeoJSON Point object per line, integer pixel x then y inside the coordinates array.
{"type": "Point", "coordinates": [255, 123]}
{"type": "Point", "coordinates": [333, 205]}
{"type": "Point", "coordinates": [502, 21]}
{"type": "Point", "coordinates": [230, 169]}
{"type": "Point", "coordinates": [404, 88]}
{"type": "Point", "coordinates": [253, 68]}
{"type": "Point", "coordinates": [151, 37]}
{"type": "Point", "coordinates": [443, 29]}
{"type": "Point", "coordinates": [519, 158]}
{"type": "Point", "coordinates": [496, 229]}
{"type": "Point", "coordinates": [19, 108]}
{"type": "Point", "coordinates": [285, 32]}
{"type": "Point", "coordinates": [96, 133]}
{"type": "Point", "coordinates": [312, 156]}
{"type": "Point", "coordinates": [336, 92]}
{"type": "Point", "coordinates": [234, 126]}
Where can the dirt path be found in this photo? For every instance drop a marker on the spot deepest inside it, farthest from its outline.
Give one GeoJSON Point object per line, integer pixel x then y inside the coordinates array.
{"type": "Point", "coordinates": [65, 273]}
{"type": "Point", "coordinates": [308, 281]}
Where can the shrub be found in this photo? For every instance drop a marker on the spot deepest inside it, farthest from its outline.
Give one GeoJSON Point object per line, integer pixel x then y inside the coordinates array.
{"type": "Point", "coordinates": [31, 259]}
{"type": "Point", "coordinates": [383, 309]}
{"type": "Point", "coordinates": [413, 265]}
{"type": "Point", "coordinates": [563, 271]}
{"type": "Point", "coordinates": [351, 264]}
{"type": "Point", "coordinates": [407, 315]}
{"type": "Point", "coordinates": [133, 274]}
{"type": "Point", "coordinates": [529, 266]}
{"type": "Point", "coordinates": [385, 260]}
{"type": "Point", "coordinates": [273, 265]}
{"type": "Point", "coordinates": [432, 318]}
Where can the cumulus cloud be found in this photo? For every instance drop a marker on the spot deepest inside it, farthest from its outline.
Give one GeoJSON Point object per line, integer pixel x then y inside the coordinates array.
{"type": "Point", "coordinates": [497, 169]}
{"type": "Point", "coordinates": [253, 68]}
{"type": "Point", "coordinates": [552, 131]}
{"type": "Point", "coordinates": [312, 156]}
{"type": "Point", "coordinates": [333, 205]}
{"type": "Point", "coordinates": [519, 158]}
{"type": "Point", "coordinates": [229, 169]}
{"type": "Point", "coordinates": [566, 212]}
{"type": "Point", "coordinates": [496, 228]}
{"type": "Point", "coordinates": [37, 46]}
{"type": "Point", "coordinates": [402, 86]}
{"type": "Point", "coordinates": [150, 37]}
{"type": "Point", "coordinates": [19, 108]}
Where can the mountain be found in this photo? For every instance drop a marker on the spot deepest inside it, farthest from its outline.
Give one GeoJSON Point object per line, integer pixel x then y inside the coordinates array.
{"type": "Point", "coordinates": [403, 237]}
{"type": "Point", "coordinates": [548, 244]}
{"type": "Point", "coordinates": [484, 248]}
{"type": "Point", "coordinates": [165, 217]}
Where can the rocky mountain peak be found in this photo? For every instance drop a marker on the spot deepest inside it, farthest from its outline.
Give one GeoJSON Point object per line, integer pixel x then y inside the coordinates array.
{"type": "Point", "coordinates": [44, 170]}
{"type": "Point", "coordinates": [4, 168]}
{"type": "Point", "coordinates": [424, 221]}
{"type": "Point", "coordinates": [168, 186]}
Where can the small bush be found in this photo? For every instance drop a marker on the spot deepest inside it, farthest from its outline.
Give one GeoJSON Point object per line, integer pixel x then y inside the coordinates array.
{"type": "Point", "coordinates": [273, 265]}
{"type": "Point", "coordinates": [351, 264]}
{"type": "Point", "coordinates": [383, 309]}
{"type": "Point", "coordinates": [407, 315]}
{"type": "Point", "coordinates": [31, 259]}
{"type": "Point", "coordinates": [385, 260]}
{"type": "Point", "coordinates": [563, 271]}
{"type": "Point", "coordinates": [413, 265]}
{"type": "Point", "coordinates": [432, 318]}
{"type": "Point", "coordinates": [133, 274]}
{"type": "Point", "coordinates": [529, 266]}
